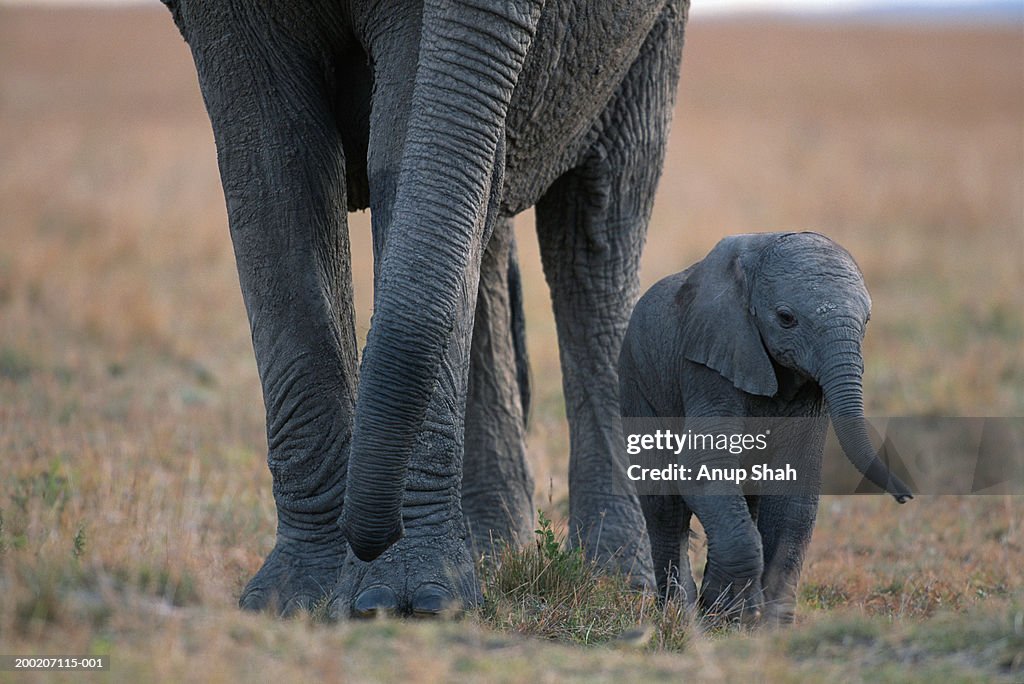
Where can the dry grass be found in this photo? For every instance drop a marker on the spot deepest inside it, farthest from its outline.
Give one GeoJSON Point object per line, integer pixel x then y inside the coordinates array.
{"type": "Point", "coordinates": [134, 495]}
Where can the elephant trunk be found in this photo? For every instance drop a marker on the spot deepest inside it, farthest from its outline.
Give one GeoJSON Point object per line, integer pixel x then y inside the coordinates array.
{"type": "Point", "coordinates": [471, 55]}
{"type": "Point", "coordinates": [841, 382]}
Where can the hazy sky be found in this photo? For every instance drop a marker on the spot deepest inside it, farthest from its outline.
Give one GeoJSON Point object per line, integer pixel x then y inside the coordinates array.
{"type": "Point", "coordinates": [723, 6]}
{"type": "Point", "coordinates": [815, 5]}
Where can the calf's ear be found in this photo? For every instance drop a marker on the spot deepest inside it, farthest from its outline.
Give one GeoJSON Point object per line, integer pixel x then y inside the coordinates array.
{"type": "Point", "coordinates": [718, 325]}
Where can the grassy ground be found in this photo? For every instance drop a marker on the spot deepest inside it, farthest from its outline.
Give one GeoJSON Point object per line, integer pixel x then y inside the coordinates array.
{"type": "Point", "coordinates": [134, 494]}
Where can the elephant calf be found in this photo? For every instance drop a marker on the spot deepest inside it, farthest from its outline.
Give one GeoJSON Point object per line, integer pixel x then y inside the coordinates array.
{"type": "Point", "coordinates": [766, 326]}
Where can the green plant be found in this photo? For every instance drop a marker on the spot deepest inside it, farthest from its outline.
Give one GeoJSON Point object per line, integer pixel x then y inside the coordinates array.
{"type": "Point", "coordinates": [79, 542]}
{"type": "Point", "coordinates": [547, 543]}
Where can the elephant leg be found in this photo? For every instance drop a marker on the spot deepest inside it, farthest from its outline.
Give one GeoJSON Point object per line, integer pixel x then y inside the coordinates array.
{"type": "Point", "coordinates": [497, 486]}
{"type": "Point", "coordinates": [668, 527]}
{"type": "Point", "coordinates": [591, 225]}
{"type": "Point", "coordinates": [591, 260]}
{"type": "Point", "coordinates": [686, 587]}
{"type": "Point", "coordinates": [283, 172]}
{"type": "Point", "coordinates": [786, 517]}
{"type": "Point", "coordinates": [731, 586]}
{"type": "Point", "coordinates": [785, 524]}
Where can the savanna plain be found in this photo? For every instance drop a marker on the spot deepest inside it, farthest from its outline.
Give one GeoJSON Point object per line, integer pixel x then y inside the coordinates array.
{"type": "Point", "coordinates": [134, 495]}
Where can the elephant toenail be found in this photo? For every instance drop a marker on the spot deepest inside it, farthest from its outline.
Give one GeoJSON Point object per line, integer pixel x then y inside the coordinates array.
{"type": "Point", "coordinates": [253, 601]}
{"type": "Point", "coordinates": [295, 605]}
{"type": "Point", "coordinates": [375, 601]}
{"type": "Point", "coordinates": [433, 600]}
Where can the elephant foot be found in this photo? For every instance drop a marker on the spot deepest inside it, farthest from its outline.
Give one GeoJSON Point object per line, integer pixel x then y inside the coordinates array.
{"type": "Point", "coordinates": [678, 585]}
{"type": "Point", "coordinates": [295, 576]}
{"type": "Point", "coordinates": [728, 599]}
{"type": "Point", "coordinates": [425, 574]}
{"type": "Point", "coordinates": [612, 533]}
{"type": "Point", "coordinates": [778, 613]}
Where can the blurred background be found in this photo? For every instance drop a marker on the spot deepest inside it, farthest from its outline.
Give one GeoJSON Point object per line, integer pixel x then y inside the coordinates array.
{"type": "Point", "coordinates": [129, 401]}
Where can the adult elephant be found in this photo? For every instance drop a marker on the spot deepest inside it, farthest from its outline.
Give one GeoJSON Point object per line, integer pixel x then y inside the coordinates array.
{"type": "Point", "coordinates": [445, 118]}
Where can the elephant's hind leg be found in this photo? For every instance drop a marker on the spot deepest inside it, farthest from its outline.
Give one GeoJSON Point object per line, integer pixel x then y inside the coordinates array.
{"type": "Point", "coordinates": [668, 527]}
{"type": "Point", "coordinates": [591, 226]}
{"type": "Point", "coordinates": [497, 487]}
{"type": "Point", "coordinates": [283, 171]}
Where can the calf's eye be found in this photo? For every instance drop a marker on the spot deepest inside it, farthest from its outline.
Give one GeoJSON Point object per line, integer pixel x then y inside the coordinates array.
{"type": "Point", "coordinates": [786, 317]}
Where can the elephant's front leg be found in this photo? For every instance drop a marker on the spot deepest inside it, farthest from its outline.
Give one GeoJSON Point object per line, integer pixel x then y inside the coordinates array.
{"type": "Point", "coordinates": [785, 524]}
{"type": "Point", "coordinates": [731, 586]}
{"type": "Point", "coordinates": [497, 487]}
{"type": "Point", "coordinates": [283, 172]}
{"type": "Point", "coordinates": [788, 511]}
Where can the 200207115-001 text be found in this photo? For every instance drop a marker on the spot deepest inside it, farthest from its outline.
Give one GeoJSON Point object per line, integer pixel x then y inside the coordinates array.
{"type": "Point", "coordinates": [53, 662]}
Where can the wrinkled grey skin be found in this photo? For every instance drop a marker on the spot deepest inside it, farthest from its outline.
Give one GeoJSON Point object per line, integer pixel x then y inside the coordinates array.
{"type": "Point", "coordinates": [767, 325]}
{"type": "Point", "coordinates": [445, 118]}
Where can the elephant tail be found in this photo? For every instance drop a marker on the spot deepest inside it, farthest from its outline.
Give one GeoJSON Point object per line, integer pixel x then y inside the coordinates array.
{"type": "Point", "coordinates": [515, 302]}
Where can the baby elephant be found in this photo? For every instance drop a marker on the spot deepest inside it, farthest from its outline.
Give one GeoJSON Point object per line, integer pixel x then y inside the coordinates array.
{"type": "Point", "coordinates": [766, 326]}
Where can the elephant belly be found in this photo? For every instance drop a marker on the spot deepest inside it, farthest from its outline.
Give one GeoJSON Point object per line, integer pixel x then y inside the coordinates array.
{"type": "Point", "coordinates": [579, 56]}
